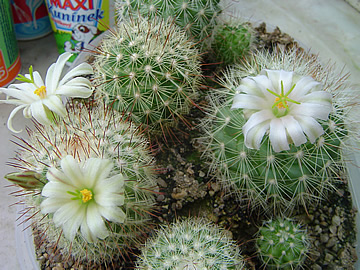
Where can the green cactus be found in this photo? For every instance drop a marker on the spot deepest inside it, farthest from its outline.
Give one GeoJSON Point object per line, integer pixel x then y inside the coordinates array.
{"type": "Point", "coordinates": [276, 180]}
{"type": "Point", "coordinates": [232, 42]}
{"type": "Point", "coordinates": [149, 71]}
{"type": "Point", "coordinates": [282, 244]}
{"type": "Point", "coordinates": [190, 244]}
{"type": "Point", "coordinates": [88, 134]}
{"type": "Point", "coordinates": [197, 17]}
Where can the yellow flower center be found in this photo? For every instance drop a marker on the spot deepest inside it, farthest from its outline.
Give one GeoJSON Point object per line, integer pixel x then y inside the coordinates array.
{"type": "Point", "coordinates": [86, 195]}
{"type": "Point", "coordinates": [41, 92]}
{"type": "Point", "coordinates": [280, 104]}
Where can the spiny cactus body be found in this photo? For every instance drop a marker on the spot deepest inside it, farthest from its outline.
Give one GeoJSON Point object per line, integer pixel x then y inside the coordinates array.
{"type": "Point", "coordinates": [197, 17]}
{"type": "Point", "coordinates": [190, 244]}
{"type": "Point", "coordinates": [149, 71]}
{"type": "Point", "coordinates": [282, 244]}
{"type": "Point", "coordinates": [232, 42]}
{"type": "Point", "coordinates": [272, 179]}
{"type": "Point", "coordinates": [86, 135]}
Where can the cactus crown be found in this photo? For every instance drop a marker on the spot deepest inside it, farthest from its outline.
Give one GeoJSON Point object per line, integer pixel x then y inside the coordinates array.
{"type": "Point", "coordinates": [149, 71]}
{"type": "Point", "coordinates": [282, 244]}
{"type": "Point", "coordinates": [94, 133]}
{"type": "Point", "coordinates": [190, 244]}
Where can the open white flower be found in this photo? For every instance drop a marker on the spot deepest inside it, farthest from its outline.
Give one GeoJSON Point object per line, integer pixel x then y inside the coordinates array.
{"type": "Point", "coordinates": [81, 196]}
{"type": "Point", "coordinates": [38, 99]}
{"type": "Point", "coordinates": [283, 104]}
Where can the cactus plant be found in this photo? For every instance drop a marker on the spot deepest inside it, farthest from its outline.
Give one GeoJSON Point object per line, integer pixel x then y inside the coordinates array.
{"type": "Point", "coordinates": [98, 166]}
{"type": "Point", "coordinates": [282, 244]}
{"type": "Point", "coordinates": [149, 71]}
{"type": "Point", "coordinates": [232, 42]}
{"type": "Point", "coordinates": [190, 244]}
{"type": "Point", "coordinates": [278, 169]}
{"type": "Point", "coordinates": [197, 17]}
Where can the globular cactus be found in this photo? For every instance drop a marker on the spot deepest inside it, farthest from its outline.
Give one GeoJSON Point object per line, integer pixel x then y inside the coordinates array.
{"type": "Point", "coordinates": [197, 17]}
{"type": "Point", "coordinates": [190, 244]}
{"type": "Point", "coordinates": [272, 156]}
{"type": "Point", "coordinates": [149, 71]}
{"type": "Point", "coordinates": [93, 158]}
{"type": "Point", "coordinates": [282, 244]}
{"type": "Point", "coordinates": [232, 42]}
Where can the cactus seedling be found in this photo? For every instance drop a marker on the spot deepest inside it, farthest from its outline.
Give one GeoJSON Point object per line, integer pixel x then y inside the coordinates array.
{"type": "Point", "coordinates": [232, 42]}
{"type": "Point", "coordinates": [190, 244]}
{"type": "Point", "coordinates": [101, 168]}
{"type": "Point", "coordinates": [149, 71]}
{"type": "Point", "coordinates": [282, 244]}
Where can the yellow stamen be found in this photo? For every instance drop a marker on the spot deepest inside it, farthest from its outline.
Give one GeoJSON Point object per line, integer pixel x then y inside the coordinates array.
{"type": "Point", "coordinates": [41, 92]}
{"type": "Point", "coordinates": [86, 195]}
{"type": "Point", "coordinates": [280, 105]}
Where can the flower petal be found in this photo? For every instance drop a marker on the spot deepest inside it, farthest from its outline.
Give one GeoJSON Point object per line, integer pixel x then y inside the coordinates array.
{"type": "Point", "coordinates": [57, 176]}
{"type": "Point", "coordinates": [245, 101]}
{"type": "Point", "coordinates": [86, 233]}
{"type": "Point", "coordinates": [55, 104]}
{"type": "Point", "coordinates": [257, 118]}
{"type": "Point", "coordinates": [95, 222]}
{"type": "Point", "coordinates": [254, 136]}
{"type": "Point", "coordinates": [95, 170]}
{"type": "Point", "coordinates": [278, 76]}
{"type": "Point", "coordinates": [67, 211]}
{"type": "Point", "coordinates": [277, 135]}
{"type": "Point", "coordinates": [318, 97]}
{"type": "Point", "coordinates": [82, 69]}
{"type": "Point", "coordinates": [38, 112]}
{"type": "Point", "coordinates": [71, 227]}
{"type": "Point", "coordinates": [24, 96]}
{"type": "Point", "coordinates": [313, 110]}
{"type": "Point", "coordinates": [78, 87]}
{"type": "Point", "coordinates": [11, 116]}
{"type": "Point", "coordinates": [310, 126]}
{"type": "Point", "coordinates": [38, 80]}
{"type": "Point", "coordinates": [51, 205]}
{"type": "Point", "coordinates": [294, 130]}
{"type": "Point", "coordinates": [113, 214]}
{"type": "Point", "coordinates": [302, 87]}
{"type": "Point", "coordinates": [73, 172]}
{"type": "Point", "coordinates": [54, 72]}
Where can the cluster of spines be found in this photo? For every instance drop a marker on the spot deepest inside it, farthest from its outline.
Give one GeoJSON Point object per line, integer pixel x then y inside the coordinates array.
{"type": "Point", "coordinates": [89, 132]}
{"type": "Point", "coordinates": [190, 244]}
{"type": "Point", "coordinates": [282, 181]}
{"type": "Point", "coordinates": [149, 71]}
{"type": "Point", "coordinates": [197, 17]}
{"type": "Point", "coordinates": [282, 244]}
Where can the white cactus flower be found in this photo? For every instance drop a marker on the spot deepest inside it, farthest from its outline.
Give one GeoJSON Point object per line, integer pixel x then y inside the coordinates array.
{"type": "Point", "coordinates": [283, 104]}
{"type": "Point", "coordinates": [81, 196]}
{"type": "Point", "coordinates": [39, 99]}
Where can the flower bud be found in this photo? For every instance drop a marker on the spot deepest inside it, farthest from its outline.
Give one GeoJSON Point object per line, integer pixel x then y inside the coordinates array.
{"type": "Point", "coordinates": [28, 180]}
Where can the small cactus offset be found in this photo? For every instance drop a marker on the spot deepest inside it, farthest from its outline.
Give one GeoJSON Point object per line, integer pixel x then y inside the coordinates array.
{"type": "Point", "coordinates": [190, 244]}
{"type": "Point", "coordinates": [282, 244]}
{"type": "Point", "coordinates": [149, 71]}
{"type": "Point", "coordinates": [97, 176]}
{"type": "Point", "coordinates": [232, 42]}
{"type": "Point", "coordinates": [275, 137]}
{"type": "Point", "coordinates": [197, 17]}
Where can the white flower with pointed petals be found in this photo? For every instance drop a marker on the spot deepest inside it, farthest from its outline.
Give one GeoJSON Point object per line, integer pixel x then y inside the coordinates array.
{"type": "Point", "coordinates": [38, 98]}
{"type": "Point", "coordinates": [283, 104]}
{"type": "Point", "coordinates": [81, 196]}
